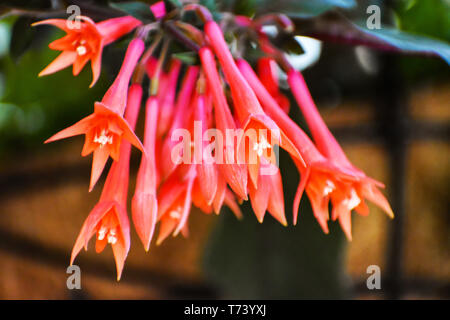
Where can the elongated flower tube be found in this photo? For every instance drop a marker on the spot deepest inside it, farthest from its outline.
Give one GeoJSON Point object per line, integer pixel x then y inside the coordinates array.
{"type": "Point", "coordinates": [268, 74]}
{"type": "Point", "coordinates": [145, 205]}
{"type": "Point", "coordinates": [203, 158]}
{"type": "Point", "coordinates": [249, 110]}
{"type": "Point", "coordinates": [234, 173]}
{"type": "Point", "coordinates": [183, 100]}
{"type": "Point", "coordinates": [105, 128]}
{"type": "Point", "coordinates": [167, 98]}
{"type": "Point", "coordinates": [108, 220]}
{"type": "Point", "coordinates": [85, 43]}
{"type": "Point", "coordinates": [322, 179]}
{"type": "Point", "coordinates": [365, 187]}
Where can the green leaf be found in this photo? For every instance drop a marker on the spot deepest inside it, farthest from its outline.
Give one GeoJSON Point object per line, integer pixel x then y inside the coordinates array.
{"type": "Point", "coordinates": [246, 8]}
{"type": "Point", "coordinates": [190, 58]}
{"type": "Point", "coordinates": [407, 42]}
{"type": "Point", "coordinates": [136, 9]}
{"type": "Point", "coordinates": [21, 37]}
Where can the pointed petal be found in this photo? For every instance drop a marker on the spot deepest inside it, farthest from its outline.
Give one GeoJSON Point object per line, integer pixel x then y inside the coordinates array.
{"type": "Point", "coordinates": [362, 208]}
{"type": "Point", "coordinates": [207, 177]}
{"type": "Point", "coordinates": [81, 127]}
{"type": "Point", "coordinates": [99, 160]}
{"type": "Point", "coordinates": [65, 59]}
{"type": "Point", "coordinates": [259, 197]}
{"type": "Point", "coordinates": [166, 227]}
{"type": "Point", "coordinates": [60, 23]}
{"type": "Point", "coordinates": [371, 193]}
{"type": "Point", "coordinates": [276, 198]}
{"type": "Point", "coordinates": [345, 221]}
{"type": "Point", "coordinates": [96, 65]}
{"type": "Point", "coordinates": [79, 64]}
{"type": "Point", "coordinates": [122, 246]}
{"type": "Point", "coordinates": [304, 177]}
{"type": "Point", "coordinates": [187, 204]}
{"type": "Point", "coordinates": [320, 210]}
{"type": "Point", "coordinates": [230, 201]}
{"type": "Point", "coordinates": [144, 208]}
{"type": "Point", "coordinates": [120, 252]}
{"type": "Point", "coordinates": [220, 193]}
{"type": "Point", "coordinates": [100, 245]}
{"type": "Point", "coordinates": [64, 43]}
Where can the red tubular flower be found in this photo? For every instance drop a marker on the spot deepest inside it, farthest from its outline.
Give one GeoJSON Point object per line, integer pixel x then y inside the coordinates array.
{"type": "Point", "coordinates": [167, 98]}
{"type": "Point", "coordinates": [105, 128]}
{"type": "Point", "coordinates": [234, 173]}
{"type": "Point", "coordinates": [144, 204]}
{"type": "Point", "coordinates": [322, 179]}
{"type": "Point", "coordinates": [365, 187]}
{"type": "Point", "coordinates": [268, 74]}
{"type": "Point", "coordinates": [109, 219]}
{"type": "Point", "coordinates": [206, 168]}
{"type": "Point", "coordinates": [86, 43]}
{"type": "Point", "coordinates": [183, 100]}
{"type": "Point", "coordinates": [248, 108]}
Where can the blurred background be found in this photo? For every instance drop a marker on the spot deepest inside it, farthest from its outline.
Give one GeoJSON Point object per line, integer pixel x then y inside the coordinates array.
{"type": "Point", "coordinates": [390, 112]}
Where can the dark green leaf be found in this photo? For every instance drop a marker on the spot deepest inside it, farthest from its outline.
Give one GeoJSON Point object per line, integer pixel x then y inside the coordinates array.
{"type": "Point", "coordinates": [21, 37]}
{"type": "Point", "coordinates": [337, 28]}
{"type": "Point", "coordinates": [407, 42]}
{"type": "Point", "coordinates": [139, 10]}
{"type": "Point", "coordinates": [288, 43]}
{"type": "Point", "coordinates": [246, 8]}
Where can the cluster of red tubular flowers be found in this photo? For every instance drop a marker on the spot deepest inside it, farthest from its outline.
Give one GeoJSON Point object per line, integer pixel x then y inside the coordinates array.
{"type": "Point", "coordinates": [221, 95]}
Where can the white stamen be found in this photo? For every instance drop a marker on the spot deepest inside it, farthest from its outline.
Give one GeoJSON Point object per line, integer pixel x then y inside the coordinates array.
{"type": "Point", "coordinates": [329, 187]}
{"type": "Point", "coordinates": [261, 146]}
{"type": "Point", "coordinates": [353, 201]}
{"type": "Point", "coordinates": [81, 50]}
{"type": "Point", "coordinates": [104, 138]}
{"type": "Point", "coordinates": [175, 214]}
{"type": "Point", "coordinates": [112, 239]}
{"type": "Point", "coordinates": [101, 233]}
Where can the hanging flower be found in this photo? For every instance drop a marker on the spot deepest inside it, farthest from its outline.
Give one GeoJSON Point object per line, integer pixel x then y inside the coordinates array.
{"type": "Point", "coordinates": [145, 204]}
{"type": "Point", "coordinates": [108, 220]}
{"type": "Point", "coordinates": [84, 44]}
{"type": "Point", "coordinates": [365, 187]}
{"type": "Point", "coordinates": [105, 128]}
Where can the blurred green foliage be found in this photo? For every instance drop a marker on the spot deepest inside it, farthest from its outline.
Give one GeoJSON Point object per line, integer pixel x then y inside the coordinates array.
{"type": "Point", "coordinates": [33, 108]}
{"type": "Point", "coordinates": [431, 18]}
